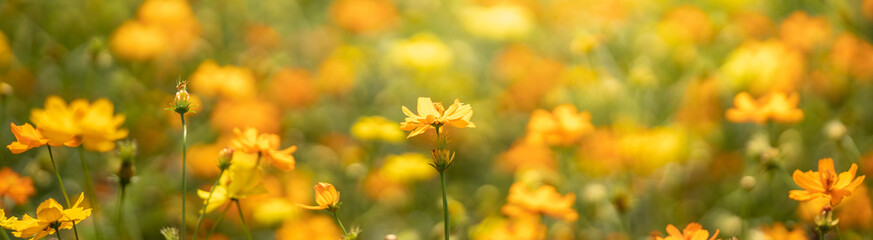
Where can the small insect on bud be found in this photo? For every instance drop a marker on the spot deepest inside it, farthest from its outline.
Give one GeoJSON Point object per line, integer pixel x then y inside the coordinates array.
{"type": "Point", "coordinates": [182, 101]}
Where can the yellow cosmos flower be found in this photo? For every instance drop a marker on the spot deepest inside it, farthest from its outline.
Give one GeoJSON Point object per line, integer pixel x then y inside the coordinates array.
{"type": "Point", "coordinates": [502, 21]}
{"type": "Point", "coordinates": [50, 216]}
{"type": "Point", "coordinates": [326, 196]}
{"type": "Point", "coordinates": [775, 106]}
{"type": "Point", "coordinates": [377, 128]}
{"type": "Point", "coordinates": [5, 222]}
{"type": "Point", "coordinates": [242, 179]}
{"type": "Point", "coordinates": [691, 232]}
{"type": "Point", "coordinates": [563, 126]}
{"type": "Point", "coordinates": [58, 121]}
{"type": "Point", "coordinates": [522, 202]}
{"type": "Point", "coordinates": [825, 183]}
{"type": "Point", "coordinates": [423, 52]}
{"type": "Point", "coordinates": [431, 115]}
{"type": "Point", "coordinates": [26, 137]}
{"type": "Point", "coordinates": [100, 128]}
{"type": "Point", "coordinates": [266, 145]}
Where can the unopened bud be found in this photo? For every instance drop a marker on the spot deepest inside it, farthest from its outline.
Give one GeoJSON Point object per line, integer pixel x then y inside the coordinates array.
{"type": "Point", "coordinates": [442, 159]}
{"type": "Point", "coordinates": [748, 183]}
{"type": "Point", "coordinates": [224, 158]}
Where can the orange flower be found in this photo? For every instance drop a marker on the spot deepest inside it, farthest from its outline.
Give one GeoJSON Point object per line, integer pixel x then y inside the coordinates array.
{"type": "Point", "coordinates": [778, 231]}
{"type": "Point", "coordinates": [775, 106]}
{"type": "Point", "coordinates": [14, 186]}
{"type": "Point", "coordinates": [431, 115]}
{"type": "Point", "coordinates": [563, 126]}
{"type": "Point", "coordinates": [546, 200]}
{"type": "Point", "coordinates": [825, 183]}
{"type": "Point", "coordinates": [363, 16]}
{"type": "Point", "coordinates": [692, 232]}
{"type": "Point", "coordinates": [26, 138]}
{"type": "Point", "coordinates": [266, 145]}
{"type": "Point", "coordinates": [326, 196]}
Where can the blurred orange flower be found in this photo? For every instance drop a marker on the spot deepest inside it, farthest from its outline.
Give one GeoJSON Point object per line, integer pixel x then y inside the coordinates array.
{"type": "Point", "coordinates": [825, 183]}
{"type": "Point", "coordinates": [293, 88]}
{"type": "Point", "coordinates": [229, 81]}
{"type": "Point", "coordinates": [318, 227]}
{"type": "Point", "coordinates": [775, 106]}
{"type": "Point", "coordinates": [256, 113]}
{"type": "Point", "coordinates": [853, 56]}
{"type": "Point", "coordinates": [563, 126]}
{"type": "Point", "coordinates": [692, 232]}
{"type": "Point", "coordinates": [764, 66]}
{"type": "Point", "coordinates": [12, 185]}
{"type": "Point", "coordinates": [264, 144]}
{"type": "Point", "coordinates": [431, 115]}
{"type": "Point", "coordinates": [326, 196]}
{"type": "Point", "coordinates": [363, 16]}
{"type": "Point", "coordinates": [779, 232]}
{"type": "Point", "coordinates": [522, 202]}
{"type": "Point", "coordinates": [26, 137]}
{"type": "Point", "coordinates": [162, 26]}
{"type": "Point", "coordinates": [804, 32]}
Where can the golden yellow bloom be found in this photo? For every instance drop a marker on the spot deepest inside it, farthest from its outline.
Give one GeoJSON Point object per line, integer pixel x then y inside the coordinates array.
{"type": "Point", "coordinates": [825, 183]}
{"type": "Point", "coordinates": [5, 51]}
{"type": "Point", "coordinates": [524, 156]}
{"type": "Point", "coordinates": [779, 232]}
{"type": "Point", "coordinates": [494, 228]}
{"type": "Point", "coordinates": [266, 145]}
{"type": "Point", "coordinates": [135, 40]}
{"type": "Point", "coordinates": [12, 185]}
{"type": "Point", "coordinates": [326, 196]}
{"type": "Point", "coordinates": [26, 137]}
{"type": "Point", "coordinates": [522, 202]}
{"type": "Point", "coordinates": [763, 66]}
{"type": "Point", "coordinates": [99, 127]}
{"type": "Point", "coordinates": [241, 180]}
{"type": "Point", "coordinates": [500, 21]}
{"type": "Point", "coordinates": [50, 215]}
{"type": "Point", "coordinates": [692, 232]}
{"type": "Point", "coordinates": [431, 115]}
{"type": "Point", "coordinates": [162, 27]}
{"type": "Point", "coordinates": [59, 122]}
{"type": "Point", "coordinates": [211, 79]}
{"type": "Point", "coordinates": [804, 32]}
{"type": "Point", "coordinates": [563, 126]}
{"type": "Point", "coordinates": [422, 52]}
{"type": "Point", "coordinates": [406, 168]}
{"type": "Point", "coordinates": [317, 227]}
{"type": "Point", "coordinates": [377, 128]}
{"type": "Point", "coordinates": [685, 25]}
{"type": "Point", "coordinates": [775, 106]}
{"type": "Point", "coordinates": [257, 113]}
{"type": "Point", "coordinates": [363, 16]}
{"type": "Point", "coordinates": [852, 55]}
{"type": "Point", "coordinates": [337, 73]}
{"type": "Point", "coordinates": [5, 222]}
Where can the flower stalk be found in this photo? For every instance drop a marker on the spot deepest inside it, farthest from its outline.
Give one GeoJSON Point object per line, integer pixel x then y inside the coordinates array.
{"type": "Point", "coordinates": [243, 219]}
{"type": "Point", "coordinates": [182, 104]}
{"type": "Point", "coordinates": [89, 185]}
{"type": "Point", "coordinates": [63, 189]}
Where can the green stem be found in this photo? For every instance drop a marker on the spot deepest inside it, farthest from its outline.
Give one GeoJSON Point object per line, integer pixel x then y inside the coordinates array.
{"type": "Point", "coordinates": [5, 234]}
{"type": "Point", "coordinates": [243, 218]}
{"type": "Point", "coordinates": [217, 222]}
{"type": "Point", "coordinates": [445, 205]}
{"type": "Point", "coordinates": [61, 182]}
{"type": "Point", "coordinates": [335, 217]}
{"type": "Point", "coordinates": [206, 203]}
{"type": "Point", "coordinates": [118, 206]}
{"type": "Point", "coordinates": [92, 195]}
{"type": "Point", "coordinates": [184, 172]}
{"type": "Point", "coordinates": [58, 232]}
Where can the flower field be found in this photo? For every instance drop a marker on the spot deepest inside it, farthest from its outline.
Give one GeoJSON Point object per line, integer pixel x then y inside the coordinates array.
{"type": "Point", "coordinates": [429, 119]}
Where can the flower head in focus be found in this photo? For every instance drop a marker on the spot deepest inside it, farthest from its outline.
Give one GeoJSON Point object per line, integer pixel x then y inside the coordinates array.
{"type": "Point", "coordinates": [58, 122]}
{"type": "Point", "coordinates": [51, 216]}
{"type": "Point", "coordinates": [326, 196]}
{"type": "Point", "coordinates": [693, 231]}
{"type": "Point", "coordinates": [266, 145]}
{"type": "Point", "coordinates": [434, 115]}
{"type": "Point", "coordinates": [182, 101]}
{"type": "Point", "coordinates": [242, 179]}
{"type": "Point", "coordinates": [825, 183]}
{"type": "Point", "coordinates": [26, 137]}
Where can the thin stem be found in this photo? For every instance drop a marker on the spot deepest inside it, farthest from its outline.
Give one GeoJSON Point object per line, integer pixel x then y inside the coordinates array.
{"type": "Point", "coordinates": [206, 203]}
{"type": "Point", "coordinates": [61, 182]}
{"type": "Point", "coordinates": [89, 184]}
{"type": "Point", "coordinates": [837, 230]}
{"type": "Point", "coordinates": [184, 171]}
{"type": "Point", "coordinates": [243, 218]}
{"type": "Point", "coordinates": [445, 205]}
{"type": "Point", "coordinates": [58, 232]}
{"type": "Point", "coordinates": [119, 218]}
{"type": "Point", "coordinates": [335, 217]}
{"type": "Point", "coordinates": [218, 222]}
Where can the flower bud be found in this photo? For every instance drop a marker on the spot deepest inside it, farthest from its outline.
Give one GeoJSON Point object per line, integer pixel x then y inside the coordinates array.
{"type": "Point", "coordinates": [224, 158]}
{"type": "Point", "coordinates": [182, 102]}
{"type": "Point", "coordinates": [442, 159]}
{"type": "Point", "coordinates": [127, 153]}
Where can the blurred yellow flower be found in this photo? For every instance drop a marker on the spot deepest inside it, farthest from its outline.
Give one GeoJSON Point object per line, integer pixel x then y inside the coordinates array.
{"type": "Point", "coordinates": [363, 16]}
{"type": "Point", "coordinates": [691, 232]}
{"type": "Point", "coordinates": [804, 32]}
{"type": "Point", "coordinates": [265, 145]}
{"type": "Point", "coordinates": [763, 66]}
{"type": "Point", "coordinates": [867, 9]}
{"type": "Point", "coordinates": [18, 188]}
{"type": "Point", "coordinates": [162, 26]}
{"type": "Point", "coordinates": [646, 150]}
{"type": "Point", "coordinates": [774, 106]}
{"type": "Point", "coordinates": [563, 126]}
{"type": "Point", "coordinates": [522, 202]}
{"type": "Point", "coordinates": [406, 168]}
{"type": "Point", "coordinates": [494, 228]}
{"type": "Point", "coordinates": [229, 81]}
{"type": "Point", "coordinates": [100, 127]}
{"type": "Point", "coordinates": [338, 73]}
{"type": "Point", "coordinates": [685, 25]}
{"type": "Point", "coordinates": [318, 227]}
{"type": "Point", "coordinates": [530, 76]}
{"type": "Point", "coordinates": [241, 180]}
{"type": "Point", "coordinates": [326, 196]}
{"type": "Point", "coordinates": [256, 113]}
{"type": "Point", "coordinates": [138, 41]}
{"type": "Point", "coordinates": [274, 210]}
{"type": "Point", "coordinates": [752, 24]}
{"type": "Point", "coordinates": [499, 21]}
{"type": "Point", "coordinates": [26, 137]}
{"type": "Point", "coordinates": [5, 51]}
{"type": "Point", "coordinates": [422, 52]}
{"type": "Point", "coordinates": [583, 42]}
{"type": "Point", "coordinates": [779, 232]}
{"type": "Point", "coordinates": [825, 183]}
{"type": "Point", "coordinates": [377, 128]}
{"type": "Point", "coordinates": [431, 115]}
{"type": "Point", "coordinates": [50, 216]}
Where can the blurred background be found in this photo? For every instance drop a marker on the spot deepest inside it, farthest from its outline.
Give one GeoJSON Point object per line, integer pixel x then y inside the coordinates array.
{"type": "Point", "coordinates": [638, 90]}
